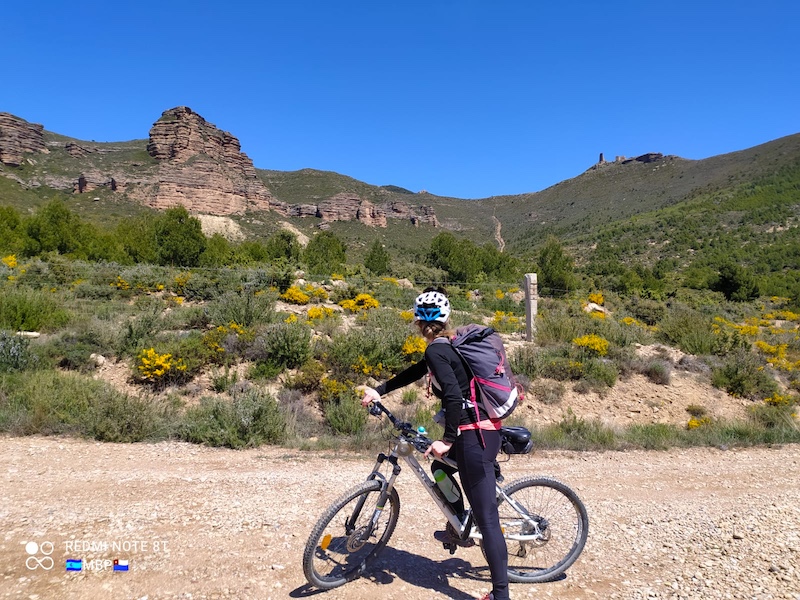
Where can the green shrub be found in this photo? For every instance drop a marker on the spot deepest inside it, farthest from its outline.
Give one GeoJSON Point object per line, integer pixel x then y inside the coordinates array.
{"type": "Point", "coordinates": [286, 345]}
{"type": "Point", "coordinates": [308, 377]}
{"type": "Point", "coordinates": [117, 417]}
{"type": "Point", "coordinates": [137, 332]}
{"type": "Point", "coordinates": [251, 419]}
{"type": "Point", "coordinates": [73, 349]}
{"type": "Point", "coordinates": [246, 308]}
{"type": "Point", "coordinates": [688, 329]}
{"type": "Point", "coordinates": [26, 309]}
{"type": "Point", "coordinates": [409, 396]}
{"type": "Point", "coordinates": [345, 414]}
{"type": "Point", "coordinates": [743, 374]}
{"type": "Point", "coordinates": [525, 360]}
{"type": "Point", "coordinates": [557, 325]}
{"type": "Point", "coordinates": [49, 402]}
{"type": "Point", "coordinates": [774, 416]}
{"type": "Point", "coordinates": [653, 436]}
{"type": "Point", "coordinates": [366, 351]}
{"type": "Point", "coordinates": [658, 371]}
{"type": "Point", "coordinates": [265, 370]}
{"type": "Point", "coordinates": [15, 353]}
{"type": "Point", "coordinates": [301, 422]}
{"type": "Point", "coordinates": [572, 432]}
{"type": "Point", "coordinates": [549, 392]}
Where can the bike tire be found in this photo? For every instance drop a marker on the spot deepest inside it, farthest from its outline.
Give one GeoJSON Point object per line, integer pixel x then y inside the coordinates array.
{"type": "Point", "coordinates": [336, 552]}
{"type": "Point", "coordinates": [563, 538]}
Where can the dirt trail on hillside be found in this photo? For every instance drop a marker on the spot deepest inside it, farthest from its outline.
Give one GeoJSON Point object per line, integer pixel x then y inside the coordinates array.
{"type": "Point", "coordinates": [203, 523]}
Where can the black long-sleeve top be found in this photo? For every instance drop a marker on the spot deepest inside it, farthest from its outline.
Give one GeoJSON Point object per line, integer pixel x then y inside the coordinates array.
{"type": "Point", "coordinates": [450, 383]}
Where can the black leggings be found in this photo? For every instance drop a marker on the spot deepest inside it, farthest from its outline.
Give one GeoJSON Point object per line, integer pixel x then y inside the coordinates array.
{"type": "Point", "coordinates": [476, 468]}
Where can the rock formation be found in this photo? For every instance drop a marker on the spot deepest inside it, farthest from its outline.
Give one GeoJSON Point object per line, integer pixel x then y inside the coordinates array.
{"type": "Point", "coordinates": [191, 163]}
{"type": "Point", "coordinates": [18, 137]}
{"type": "Point", "coordinates": [201, 167]}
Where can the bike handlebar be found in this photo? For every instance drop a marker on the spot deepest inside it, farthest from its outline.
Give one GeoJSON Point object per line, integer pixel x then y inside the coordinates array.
{"type": "Point", "coordinates": [415, 438]}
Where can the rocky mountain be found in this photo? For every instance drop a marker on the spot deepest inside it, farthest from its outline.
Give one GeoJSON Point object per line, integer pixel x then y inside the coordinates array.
{"type": "Point", "coordinates": [18, 137]}
{"type": "Point", "coordinates": [186, 161]}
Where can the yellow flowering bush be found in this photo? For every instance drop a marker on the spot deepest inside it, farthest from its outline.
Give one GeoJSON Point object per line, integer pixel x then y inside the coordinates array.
{"type": "Point", "coordinates": [121, 284]}
{"type": "Point", "coordinates": [314, 292]}
{"type": "Point", "coordinates": [597, 298]}
{"type": "Point", "coordinates": [359, 303]}
{"type": "Point", "coordinates": [499, 294]}
{"type": "Point", "coordinates": [781, 399]}
{"type": "Point", "coordinates": [362, 366]}
{"type": "Point", "coordinates": [504, 322]}
{"type": "Point", "coordinates": [294, 295]}
{"type": "Point", "coordinates": [414, 347]}
{"type": "Point", "coordinates": [331, 389]}
{"type": "Point", "coordinates": [593, 343]}
{"type": "Point", "coordinates": [750, 328]}
{"type": "Point", "coordinates": [407, 315]}
{"type": "Point", "coordinates": [181, 279]}
{"type": "Point", "coordinates": [696, 422]}
{"type": "Point", "coordinates": [290, 319]}
{"type": "Point", "coordinates": [10, 261]}
{"type": "Point", "coordinates": [159, 368]}
{"type": "Point", "coordinates": [213, 340]}
{"type": "Point", "coordinates": [317, 314]}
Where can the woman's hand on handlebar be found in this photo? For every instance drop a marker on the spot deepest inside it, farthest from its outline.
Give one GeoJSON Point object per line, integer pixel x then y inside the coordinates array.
{"type": "Point", "coordinates": [370, 396]}
{"type": "Point", "coordinates": [438, 448]}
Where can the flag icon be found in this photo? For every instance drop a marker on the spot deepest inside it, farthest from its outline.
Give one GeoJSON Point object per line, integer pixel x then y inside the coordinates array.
{"type": "Point", "coordinates": [120, 565]}
{"type": "Point", "coordinates": [74, 564]}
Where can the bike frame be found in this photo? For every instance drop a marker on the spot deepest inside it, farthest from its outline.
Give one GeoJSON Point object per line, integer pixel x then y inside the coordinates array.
{"type": "Point", "coordinates": [405, 449]}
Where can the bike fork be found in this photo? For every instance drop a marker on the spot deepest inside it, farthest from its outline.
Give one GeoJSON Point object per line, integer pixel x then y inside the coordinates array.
{"type": "Point", "coordinates": [386, 489]}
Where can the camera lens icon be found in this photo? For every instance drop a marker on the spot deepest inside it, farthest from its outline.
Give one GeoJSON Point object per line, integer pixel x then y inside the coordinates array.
{"type": "Point", "coordinates": [34, 561]}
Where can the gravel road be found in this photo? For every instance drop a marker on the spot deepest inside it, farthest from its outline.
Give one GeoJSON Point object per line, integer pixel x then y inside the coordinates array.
{"type": "Point", "coordinates": [202, 523]}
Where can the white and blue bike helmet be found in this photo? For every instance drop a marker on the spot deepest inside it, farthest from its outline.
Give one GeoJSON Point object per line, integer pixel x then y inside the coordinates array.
{"type": "Point", "coordinates": [431, 306]}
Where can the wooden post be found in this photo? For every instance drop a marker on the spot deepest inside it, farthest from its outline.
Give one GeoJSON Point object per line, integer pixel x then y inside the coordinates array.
{"type": "Point", "coordinates": [531, 304]}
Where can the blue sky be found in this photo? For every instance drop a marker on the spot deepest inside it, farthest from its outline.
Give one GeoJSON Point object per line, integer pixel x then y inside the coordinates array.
{"type": "Point", "coordinates": [461, 98]}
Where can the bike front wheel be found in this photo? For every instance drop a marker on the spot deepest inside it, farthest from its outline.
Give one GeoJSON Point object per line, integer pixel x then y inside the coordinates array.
{"type": "Point", "coordinates": [349, 535]}
{"type": "Point", "coordinates": [548, 532]}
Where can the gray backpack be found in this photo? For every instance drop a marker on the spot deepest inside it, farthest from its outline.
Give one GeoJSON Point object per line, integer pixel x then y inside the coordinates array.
{"type": "Point", "coordinates": [491, 381]}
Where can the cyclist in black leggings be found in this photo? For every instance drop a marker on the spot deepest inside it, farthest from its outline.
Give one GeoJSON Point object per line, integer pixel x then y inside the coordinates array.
{"type": "Point", "coordinates": [475, 441]}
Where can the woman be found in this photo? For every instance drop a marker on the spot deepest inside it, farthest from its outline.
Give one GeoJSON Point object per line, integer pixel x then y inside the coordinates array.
{"type": "Point", "coordinates": [474, 440]}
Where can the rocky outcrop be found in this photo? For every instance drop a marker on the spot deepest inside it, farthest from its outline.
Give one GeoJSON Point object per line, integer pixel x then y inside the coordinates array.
{"type": "Point", "coordinates": [417, 215]}
{"type": "Point", "coordinates": [201, 167]}
{"type": "Point", "coordinates": [191, 163]}
{"type": "Point", "coordinates": [18, 137]}
{"type": "Point", "coordinates": [351, 207]}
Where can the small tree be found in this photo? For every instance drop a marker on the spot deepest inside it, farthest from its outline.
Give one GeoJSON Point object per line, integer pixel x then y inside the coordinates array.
{"type": "Point", "coordinates": [556, 267]}
{"type": "Point", "coordinates": [736, 283]}
{"type": "Point", "coordinates": [377, 259]}
{"type": "Point", "coordinates": [179, 238]}
{"type": "Point", "coordinates": [284, 244]}
{"type": "Point", "coordinates": [325, 253]}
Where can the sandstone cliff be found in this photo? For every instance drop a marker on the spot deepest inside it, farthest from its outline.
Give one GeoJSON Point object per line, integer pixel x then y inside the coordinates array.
{"type": "Point", "coordinates": [189, 162]}
{"type": "Point", "coordinates": [18, 137]}
{"type": "Point", "coordinates": [201, 167]}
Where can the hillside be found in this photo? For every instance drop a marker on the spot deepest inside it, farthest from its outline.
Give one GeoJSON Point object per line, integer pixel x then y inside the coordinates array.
{"type": "Point", "coordinates": [189, 160]}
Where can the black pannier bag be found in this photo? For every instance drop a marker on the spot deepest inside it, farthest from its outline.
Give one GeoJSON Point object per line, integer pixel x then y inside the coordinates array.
{"type": "Point", "coordinates": [515, 440]}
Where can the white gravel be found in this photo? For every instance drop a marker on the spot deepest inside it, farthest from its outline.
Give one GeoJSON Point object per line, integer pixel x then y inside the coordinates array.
{"type": "Point", "coordinates": [684, 524]}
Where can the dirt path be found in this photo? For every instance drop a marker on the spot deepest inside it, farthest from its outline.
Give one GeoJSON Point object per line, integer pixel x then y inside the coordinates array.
{"type": "Point", "coordinates": [203, 523]}
{"type": "Point", "coordinates": [501, 243]}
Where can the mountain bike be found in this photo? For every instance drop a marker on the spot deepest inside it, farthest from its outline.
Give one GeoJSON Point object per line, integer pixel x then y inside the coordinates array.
{"type": "Point", "coordinates": [544, 522]}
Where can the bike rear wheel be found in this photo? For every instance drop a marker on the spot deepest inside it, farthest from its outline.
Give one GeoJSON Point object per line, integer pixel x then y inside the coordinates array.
{"type": "Point", "coordinates": [345, 538]}
{"type": "Point", "coordinates": [550, 536]}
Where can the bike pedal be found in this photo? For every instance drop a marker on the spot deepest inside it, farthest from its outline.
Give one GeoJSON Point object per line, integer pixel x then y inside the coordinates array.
{"type": "Point", "coordinates": [450, 547]}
